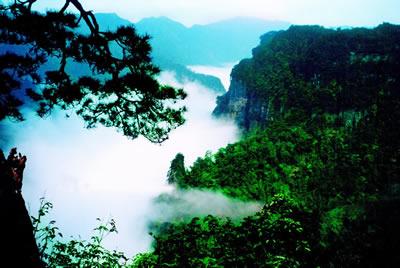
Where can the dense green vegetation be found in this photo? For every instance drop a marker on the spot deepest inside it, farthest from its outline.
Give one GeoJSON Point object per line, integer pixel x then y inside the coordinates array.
{"type": "Point", "coordinates": [328, 150]}
{"type": "Point", "coordinates": [276, 237]}
{"type": "Point", "coordinates": [314, 70]}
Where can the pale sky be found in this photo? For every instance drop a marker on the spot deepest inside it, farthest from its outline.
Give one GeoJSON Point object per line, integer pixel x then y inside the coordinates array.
{"type": "Point", "coordinates": [324, 12]}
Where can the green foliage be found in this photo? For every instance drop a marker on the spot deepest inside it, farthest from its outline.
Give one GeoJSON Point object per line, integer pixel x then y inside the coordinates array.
{"type": "Point", "coordinates": [287, 159]}
{"type": "Point", "coordinates": [274, 237]}
{"type": "Point", "coordinates": [59, 252]}
{"type": "Point", "coordinates": [145, 260]}
{"type": "Point", "coordinates": [328, 170]}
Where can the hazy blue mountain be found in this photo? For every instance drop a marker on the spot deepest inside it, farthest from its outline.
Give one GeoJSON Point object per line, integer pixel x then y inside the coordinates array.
{"type": "Point", "coordinates": [211, 44]}
{"type": "Point", "coordinates": [111, 21]}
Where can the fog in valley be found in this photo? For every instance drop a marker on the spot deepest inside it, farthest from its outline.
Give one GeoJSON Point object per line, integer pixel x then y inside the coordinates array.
{"type": "Point", "coordinates": [223, 72]}
{"type": "Point", "coordinates": [98, 172]}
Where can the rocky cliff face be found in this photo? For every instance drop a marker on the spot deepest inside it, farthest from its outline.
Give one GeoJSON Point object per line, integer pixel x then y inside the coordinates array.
{"type": "Point", "coordinates": [244, 102]}
{"type": "Point", "coordinates": [243, 105]}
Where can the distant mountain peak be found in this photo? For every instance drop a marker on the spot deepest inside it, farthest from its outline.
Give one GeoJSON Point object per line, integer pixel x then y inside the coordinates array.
{"type": "Point", "coordinates": [244, 22]}
{"type": "Point", "coordinates": [160, 20]}
{"type": "Point", "coordinates": [112, 16]}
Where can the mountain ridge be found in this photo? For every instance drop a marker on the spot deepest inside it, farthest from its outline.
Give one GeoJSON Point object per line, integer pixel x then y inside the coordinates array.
{"type": "Point", "coordinates": [202, 44]}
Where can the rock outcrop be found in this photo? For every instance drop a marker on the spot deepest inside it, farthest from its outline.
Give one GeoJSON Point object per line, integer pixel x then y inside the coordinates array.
{"type": "Point", "coordinates": [242, 105]}
{"type": "Point", "coordinates": [19, 248]}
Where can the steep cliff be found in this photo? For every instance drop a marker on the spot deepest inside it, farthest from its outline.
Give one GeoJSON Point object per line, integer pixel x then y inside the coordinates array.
{"type": "Point", "coordinates": [312, 70]}
{"type": "Point", "coordinates": [243, 102]}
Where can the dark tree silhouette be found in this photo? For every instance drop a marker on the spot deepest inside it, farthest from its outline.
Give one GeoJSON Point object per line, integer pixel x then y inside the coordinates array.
{"type": "Point", "coordinates": [120, 89]}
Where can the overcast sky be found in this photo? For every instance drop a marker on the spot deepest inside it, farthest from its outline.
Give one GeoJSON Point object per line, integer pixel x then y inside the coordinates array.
{"type": "Point", "coordinates": [324, 12]}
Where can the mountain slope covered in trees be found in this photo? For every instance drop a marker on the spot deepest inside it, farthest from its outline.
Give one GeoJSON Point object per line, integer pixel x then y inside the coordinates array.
{"type": "Point", "coordinates": [315, 70]}
{"type": "Point", "coordinates": [320, 109]}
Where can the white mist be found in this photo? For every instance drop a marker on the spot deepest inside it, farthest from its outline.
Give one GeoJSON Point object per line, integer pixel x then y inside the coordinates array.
{"type": "Point", "coordinates": [95, 173]}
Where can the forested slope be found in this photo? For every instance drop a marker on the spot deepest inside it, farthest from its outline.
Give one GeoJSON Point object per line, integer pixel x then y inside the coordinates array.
{"type": "Point", "coordinates": [314, 70]}
{"type": "Point", "coordinates": [320, 111]}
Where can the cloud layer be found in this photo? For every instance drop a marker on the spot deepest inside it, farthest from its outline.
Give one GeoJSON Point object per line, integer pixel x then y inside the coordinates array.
{"type": "Point", "coordinates": [99, 173]}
